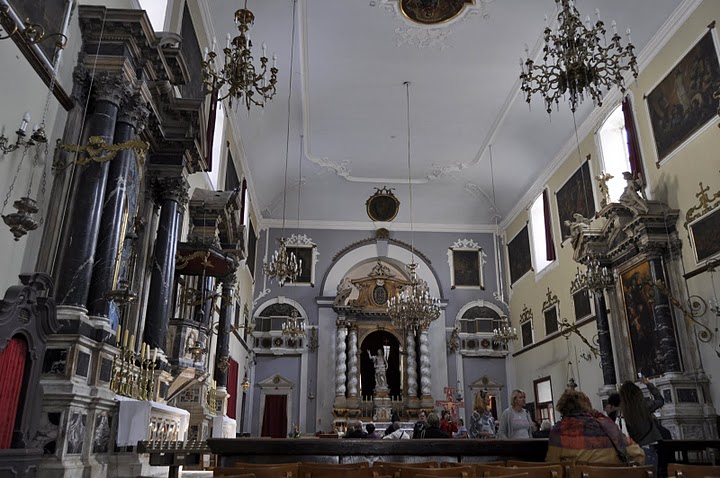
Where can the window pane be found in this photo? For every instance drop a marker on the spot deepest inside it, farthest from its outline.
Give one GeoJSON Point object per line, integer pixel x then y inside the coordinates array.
{"type": "Point", "coordinates": [537, 224]}
{"type": "Point", "coordinates": [613, 142]}
{"type": "Point", "coordinates": [156, 12]}
{"type": "Point", "coordinates": [544, 392]}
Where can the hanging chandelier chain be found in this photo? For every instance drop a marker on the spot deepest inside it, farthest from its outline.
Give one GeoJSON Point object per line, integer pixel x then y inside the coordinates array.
{"type": "Point", "coordinates": [12, 184]}
{"type": "Point", "coordinates": [412, 230]}
{"type": "Point", "coordinates": [287, 135]}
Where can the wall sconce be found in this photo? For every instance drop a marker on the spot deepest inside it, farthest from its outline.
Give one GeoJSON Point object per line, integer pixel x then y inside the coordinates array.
{"type": "Point", "coordinates": [31, 33]}
{"type": "Point", "coordinates": [37, 136]}
{"type": "Point", "coordinates": [585, 355]}
{"type": "Point", "coordinates": [245, 384]}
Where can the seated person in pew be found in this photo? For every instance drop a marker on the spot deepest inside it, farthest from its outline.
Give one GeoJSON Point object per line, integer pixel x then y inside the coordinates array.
{"type": "Point", "coordinates": [586, 435]}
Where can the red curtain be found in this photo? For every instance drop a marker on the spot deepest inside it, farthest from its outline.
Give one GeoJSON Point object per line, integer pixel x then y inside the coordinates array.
{"type": "Point", "coordinates": [232, 386]}
{"type": "Point", "coordinates": [549, 244]}
{"type": "Point", "coordinates": [275, 417]}
{"type": "Point", "coordinates": [636, 166]}
{"type": "Point", "coordinates": [12, 367]}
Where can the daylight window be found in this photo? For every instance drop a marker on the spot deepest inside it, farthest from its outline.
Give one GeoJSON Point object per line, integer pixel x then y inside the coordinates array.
{"type": "Point", "coordinates": [156, 12]}
{"type": "Point", "coordinates": [614, 149]}
{"type": "Point", "coordinates": [537, 227]}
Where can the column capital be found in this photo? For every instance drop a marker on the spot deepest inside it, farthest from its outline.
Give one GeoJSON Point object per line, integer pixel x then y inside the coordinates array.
{"type": "Point", "coordinates": [134, 111]}
{"type": "Point", "coordinates": [228, 281]}
{"type": "Point", "coordinates": [174, 188]}
{"type": "Point", "coordinates": [110, 87]}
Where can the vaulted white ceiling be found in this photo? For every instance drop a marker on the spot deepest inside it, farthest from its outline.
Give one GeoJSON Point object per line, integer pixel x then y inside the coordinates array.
{"type": "Point", "coordinates": [348, 102]}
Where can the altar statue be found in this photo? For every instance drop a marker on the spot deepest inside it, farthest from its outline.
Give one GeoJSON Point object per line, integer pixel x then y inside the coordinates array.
{"type": "Point", "coordinates": [380, 365]}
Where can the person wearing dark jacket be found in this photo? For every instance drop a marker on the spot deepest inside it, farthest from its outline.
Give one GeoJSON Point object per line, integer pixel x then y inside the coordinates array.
{"type": "Point", "coordinates": [638, 414]}
{"type": "Point", "coordinates": [420, 426]}
{"type": "Point", "coordinates": [433, 429]}
{"type": "Point", "coordinates": [357, 431]}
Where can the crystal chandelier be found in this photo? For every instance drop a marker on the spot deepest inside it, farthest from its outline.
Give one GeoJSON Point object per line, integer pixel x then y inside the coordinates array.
{"type": "Point", "coordinates": [285, 267]}
{"type": "Point", "coordinates": [238, 72]}
{"type": "Point", "coordinates": [412, 307]}
{"type": "Point", "coordinates": [294, 326]}
{"type": "Point", "coordinates": [596, 277]}
{"type": "Point", "coordinates": [578, 60]}
{"type": "Point", "coordinates": [504, 333]}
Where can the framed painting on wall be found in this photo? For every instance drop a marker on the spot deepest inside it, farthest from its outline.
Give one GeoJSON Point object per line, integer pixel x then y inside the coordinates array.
{"type": "Point", "coordinates": [682, 103]}
{"type": "Point", "coordinates": [575, 196]}
{"type": "Point", "coordinates": [638, 298]}
{"type": "Point", "coordinates": [466, 259]}
{"type": "Point", "coordinates": [53, 18]}
{"type": "Point", "coordinates": [551, 313]}
{"type": "Point", "coordinates": [519, 255]}
{"type": "Point", "coordinates": [704, 233]}
{"type": "Point", "coordinates": [306, 252]}
{"type": "Point", "coordinates": [583, 305]}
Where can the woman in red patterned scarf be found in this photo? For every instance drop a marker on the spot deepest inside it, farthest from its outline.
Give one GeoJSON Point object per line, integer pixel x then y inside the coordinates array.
{"type": "Point", "coordinates": [586, 435]}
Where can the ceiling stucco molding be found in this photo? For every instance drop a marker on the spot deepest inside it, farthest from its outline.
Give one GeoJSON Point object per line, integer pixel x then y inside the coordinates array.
{"type": "Point", "coordinates": [411, 33]}
{"type": "Point", "coordinates": [369, 226]}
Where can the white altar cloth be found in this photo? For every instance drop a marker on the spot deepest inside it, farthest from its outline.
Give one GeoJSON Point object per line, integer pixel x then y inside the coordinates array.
{"type": "Point", "coordinates": [134, 419]}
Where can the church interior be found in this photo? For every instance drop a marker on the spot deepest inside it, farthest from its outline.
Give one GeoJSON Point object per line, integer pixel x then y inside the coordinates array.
{"type": "Point", "coordinates": [226, 221]}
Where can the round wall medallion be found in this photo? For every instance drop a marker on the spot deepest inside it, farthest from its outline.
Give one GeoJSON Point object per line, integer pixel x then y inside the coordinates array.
{"type": "Point", "coordinates": [382, 206]}
{"type": "Point", "coordinates": [380, 295]}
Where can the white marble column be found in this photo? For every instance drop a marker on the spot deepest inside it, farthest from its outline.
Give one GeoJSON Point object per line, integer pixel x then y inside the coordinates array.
{"type": "Point", "coordinates": [412, 385]}
{"type": "Point", "coordinates": [425, 382]}
{"type": "Point", "coordinates": [353, 362]}
{"type": "Point", "coordinates": [340, 358]}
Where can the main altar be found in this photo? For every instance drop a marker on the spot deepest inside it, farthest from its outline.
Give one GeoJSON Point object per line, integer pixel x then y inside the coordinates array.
{"type": "Point", "coordinates": [369, 345]}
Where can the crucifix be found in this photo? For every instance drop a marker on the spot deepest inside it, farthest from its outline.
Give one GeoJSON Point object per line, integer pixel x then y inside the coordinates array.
{"type": "Point", "coordinates": [450, 404]}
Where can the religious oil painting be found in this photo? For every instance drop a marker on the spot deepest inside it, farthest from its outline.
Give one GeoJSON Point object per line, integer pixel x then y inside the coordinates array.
{"type": "Point", "coordinates": [582, 305]}
{"type": "Point", "coordinates": [683, 101]}
{"type": "Point", "coordinates": [526, 331]}
{"type": "Point", "coordinates": [466, 259]}
{"type": "Point", "coordinates": [575, 196]}
{"type": "Point", "coordinates": [519, 255]}
{"type": "Point", "coordinates": [305, 256]}
{"type": "Point", "coordinates": [704, 233]}
{"type": "Point", "coordinates": [638, 292]}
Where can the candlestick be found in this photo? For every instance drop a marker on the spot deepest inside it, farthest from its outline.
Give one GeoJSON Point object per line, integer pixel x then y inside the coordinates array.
{"type": "Point", "coordinates": [132, 342]}
{"type": "Point", "coordinates": [142, 351]}
{"type": "Point", "coordinates": [155, 354]}
{"type": "Point", "coordinates": [117, 334]}
{"type": "Point", "coordinates": [125, 338]}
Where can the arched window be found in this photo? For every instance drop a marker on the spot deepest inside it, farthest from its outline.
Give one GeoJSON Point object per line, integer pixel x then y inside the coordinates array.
{"type": "Point", "coordinates": [269, 324]}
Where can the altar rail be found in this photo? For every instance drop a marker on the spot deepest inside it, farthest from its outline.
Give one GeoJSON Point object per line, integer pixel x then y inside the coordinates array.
{"type": "Point", "coordinates": [320, 450]}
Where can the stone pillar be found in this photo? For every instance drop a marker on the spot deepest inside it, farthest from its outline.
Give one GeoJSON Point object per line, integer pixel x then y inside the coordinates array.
{"type": "Point", "coordinates": [412, 385]}
{"type": "Point", "coordinates": [607, 360]}
{"type": "Point", "coordinates": [76, 254]}
{"type": "Point", "coordinates": [425, 382]}
{"type": "Point", "coordinates": [130, 120]}
{"type": "Point", "coordinates": [340, 359]}
{"type": "Point", "coordinates": [222, 345]}
{"type": "Point", "coordinates": [353, 362]}
{"type": "Point", "coordinates": [664, 320]}
{"type": "Point", "coordinates": [171, 194]}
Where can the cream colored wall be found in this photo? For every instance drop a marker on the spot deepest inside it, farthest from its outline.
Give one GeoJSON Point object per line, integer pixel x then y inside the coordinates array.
{"type": "Point", "coordinates": [674, 182]}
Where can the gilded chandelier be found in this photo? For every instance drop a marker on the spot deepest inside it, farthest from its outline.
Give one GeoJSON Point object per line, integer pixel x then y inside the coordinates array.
{"type": "Point", "coordinates": [595, 278]}
{"type": "Point", "coordinates": [505, 333]}
{"type": "Point", "coordinates": [294, 326]}
{"type": "Point", "coordinates": [238, 72]}
{"type": "Point", "coordinates": [413, 307]}
{"type": "Point", "coordinates": [578, 61]}
{"type": "Point", "coordinates": [283, 266]}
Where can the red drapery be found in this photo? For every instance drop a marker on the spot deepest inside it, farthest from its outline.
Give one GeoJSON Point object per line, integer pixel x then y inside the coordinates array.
{"type": "Point", "coordinates": [549, 244]}
{"type": "Point", "coordinates": [636, 166]}
{"type": "Point", "coordinates": [232, 386]}
{"type": "Point", "coordinates": [275, 417]}
{"type": "Point", "coordinates": [12, 365]}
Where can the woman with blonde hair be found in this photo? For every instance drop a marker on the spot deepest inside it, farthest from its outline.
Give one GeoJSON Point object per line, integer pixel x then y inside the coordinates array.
{"type": "Point", "coordinates": [515, 422]}
{"type": "Point", "coordinates": [482, 422]}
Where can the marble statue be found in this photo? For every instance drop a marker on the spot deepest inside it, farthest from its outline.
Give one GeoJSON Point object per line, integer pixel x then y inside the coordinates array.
{"type": "Point", "coordinates": [380, 365]}
{"type": "Point", "coordinates": [633, 197]}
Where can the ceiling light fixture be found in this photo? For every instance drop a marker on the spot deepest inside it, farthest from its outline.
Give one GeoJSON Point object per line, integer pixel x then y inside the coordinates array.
{"type": "Point", "coordinates": [504, 333]}
{"type": "Point", "coordinates": [238, 72]}
{"type": "Point", "coordinates": [412, 307]}
{"type": "Point", "coordinates": [578, 60]}
{"type": "Point", "coordinates": [294, 326]}
{"type": "Point", "coordinates": [284, 266]}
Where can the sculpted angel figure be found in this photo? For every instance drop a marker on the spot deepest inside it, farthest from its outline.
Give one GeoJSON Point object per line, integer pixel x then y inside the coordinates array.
{"type": "Point", "coordinates": [633, 197]}
{"type": "Point", "coordinates": [579, 224]}
{"type": "Point", "coordinates": [344, 289]}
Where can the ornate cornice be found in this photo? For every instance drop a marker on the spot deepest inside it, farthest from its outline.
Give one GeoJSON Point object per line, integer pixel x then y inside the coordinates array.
{"type": "Point", "coordinates": [134, 111]}
{"type": "Point", "coordinates": [110, 87]}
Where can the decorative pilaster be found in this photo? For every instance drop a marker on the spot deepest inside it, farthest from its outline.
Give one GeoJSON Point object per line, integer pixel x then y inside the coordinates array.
{"type": "Point", "coordinates": [425, 382]}
{"type": "Point", "coordinates": [222, 346]}
{"type": "Point", "coordinates": [668, 353]}
{"type": "Point", "coordinates": [340, 360]}
{"type": "Point", "coordinates": [607, 361]}
{"type": "Point", "coordinates": [116, 209]}
{"type": "Point", "coordinates": [76, 254]}
{"type": "Point", "coordinates": [171, 195]}
{"type": "Point", "coordinates": [353, 362]}
{"type": "Point", "coordinates": [412, 385]}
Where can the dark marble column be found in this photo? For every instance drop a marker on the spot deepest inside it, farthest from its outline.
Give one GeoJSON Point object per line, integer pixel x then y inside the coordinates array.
{"type": "Point", "coordinates": [131, 117]}
{"type": "Point", "coordinates": [607, 361]}
{"type": "Point", "coordinates": [668, 352]}
{"type": "Point", "coordinates": [171, 194]}
{"type": "Point", "coordinates": [82, 223]}
{"type": "Point", "coordinates": [222, 346]}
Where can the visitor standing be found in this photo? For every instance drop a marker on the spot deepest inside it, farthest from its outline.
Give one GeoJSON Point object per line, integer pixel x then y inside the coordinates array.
{"type": "Point", "coordinates": [515, 422]}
